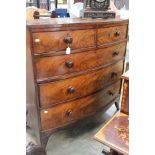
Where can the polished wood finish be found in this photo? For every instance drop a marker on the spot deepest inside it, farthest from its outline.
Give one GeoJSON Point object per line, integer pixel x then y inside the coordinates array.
{"type": "Point", "coordinates": [125, 94]}
{"type": "Point", "coordinates": [110, 34]}
{"type": "Point", "coordinates": [115, 133]}
{"type": "Point", "coordinates": [74, 110]}
{"type": "Point", "coordinates": [31, 100]}
{"type": "Point", "coordinates": [62, 89]}
{"type": "Point", "coordinates": [64, 64]}
{"type": "Point", "coordinates": [56, 92]}
{"type": "Point", "coordinates": [51, 41]}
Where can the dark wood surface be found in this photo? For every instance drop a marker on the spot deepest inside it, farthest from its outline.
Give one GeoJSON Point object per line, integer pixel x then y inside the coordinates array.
{"type": "Point", "coordinates": [58, 65]}
{"type": "Point", "coordinates": [125, 94]}
{"type": "Point", "coordinates": [32, 115]}
{"type": "Point", "coordinates": [51, 41]}
{"type": "Point", "coordinates": [73, 22]}
{"type": "Point", "coordinates": [81, 82]}
{"type": "Point", "coordinates": [111, 34]}
{"type": "Point", "coordinates": [74, 110]}
{"type": "Point", "coordinates": [115, 133]}
{"type": "Point", "coordinates": [60, 91]}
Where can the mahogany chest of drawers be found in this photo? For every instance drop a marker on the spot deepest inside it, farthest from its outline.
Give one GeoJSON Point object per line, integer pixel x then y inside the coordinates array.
{"type": "Point", "coordinates": [64, 88]}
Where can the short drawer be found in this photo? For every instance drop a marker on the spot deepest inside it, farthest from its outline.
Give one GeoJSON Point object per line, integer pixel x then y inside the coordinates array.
{"type": "Point", "coordinates": [65, 113]}
{"type": "Point", "coordinates": [111, 34]}
{"type": "Point", "coordinates": [57, 41]}
{"type": "Point", "coordinates": [64, 64]}
{"type": "Point", "coordinates": [72, 88]}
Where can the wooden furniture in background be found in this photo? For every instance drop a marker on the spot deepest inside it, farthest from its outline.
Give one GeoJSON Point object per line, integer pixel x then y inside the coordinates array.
{"type": "Point", "coordinates": [125, 93]}
{"type": "Point", "coordinates": [64, 88]}
{"type": "Point", "coordinates": [115, 133]}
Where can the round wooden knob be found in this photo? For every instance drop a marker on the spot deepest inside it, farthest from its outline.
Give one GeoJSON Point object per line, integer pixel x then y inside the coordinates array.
{"type": "Point", "coordinates": [68, 39]}
{"type": "Point", "coordinates": [69, 113]}
{"type": "Point", "coordinates": [117, 33]}
{"type": "Point", "coordinates": [113, 74]}
{"type": "Point", "coordinates": [71, 90]}
{"type": "Point", "coordinates": [69, 64]}
{"type": "Point", "coordinates": [111, 93]}
{"type": "Point", "coordinates": [115, 53]}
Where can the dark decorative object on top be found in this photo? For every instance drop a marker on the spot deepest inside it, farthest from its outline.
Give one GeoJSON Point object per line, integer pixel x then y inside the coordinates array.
{"type": "Point", "coordinates": [57, 13]}
{"type": "Point", "coordinates": [97, 9]}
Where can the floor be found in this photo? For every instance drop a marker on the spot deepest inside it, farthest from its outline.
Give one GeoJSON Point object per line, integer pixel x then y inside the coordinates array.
{"type": "Point", "coordinates": [77, 140]}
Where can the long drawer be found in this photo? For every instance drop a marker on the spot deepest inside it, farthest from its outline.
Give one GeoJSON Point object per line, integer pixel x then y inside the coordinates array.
{"type": "Point", "coordinates": [64, 113]}
{"type": "Point", "coordinates": [57, 41]}
{"type": "Point", "coordinates": [64, 64]}
{"type": "Point", "coordinates": [111, 34]}
{"type": "Point", "coordinates": [85, 84]}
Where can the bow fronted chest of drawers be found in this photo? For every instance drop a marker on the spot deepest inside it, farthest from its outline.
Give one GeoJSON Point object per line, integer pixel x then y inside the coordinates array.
{"type": "Point", "coordinates": [64, 88]}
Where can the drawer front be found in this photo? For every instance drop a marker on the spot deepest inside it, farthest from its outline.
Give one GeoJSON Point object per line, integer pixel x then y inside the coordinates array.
{"type": "Point", "coordinates": [111, 34]}
{"type": "Point", "coordinates": [65, 113]}
{"type": "Point", "coordinates": [57, 41]}
{"type": "Point", "coordinates": [65, 64]}
{"type": "Point", "coordinates": [72, 88]}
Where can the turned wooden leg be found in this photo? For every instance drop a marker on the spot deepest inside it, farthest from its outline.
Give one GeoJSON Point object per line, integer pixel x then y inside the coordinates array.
{"type": "Point", "coordinates": [32, 149]}
{"type": "Point", "coordinates": [117, 105]}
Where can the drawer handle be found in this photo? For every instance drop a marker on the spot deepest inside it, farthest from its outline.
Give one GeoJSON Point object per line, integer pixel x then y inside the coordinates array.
{"type": "Point", "coordinates": [69, 64]}
{"type": "Point", "coordinates": [69, 113]}
{"type": "Point", "coordinates": [117, 33]}
{"type": "Point", "coordinates": [68, 39]}
{"type": "Point", "coordinates": [111, 93]}
{"type": "Point", "coordinates": [115, 53]}
{"type": "Point", "coordinates": [71, 90]}
{"type": "Point", "coordinates": [113, 74]}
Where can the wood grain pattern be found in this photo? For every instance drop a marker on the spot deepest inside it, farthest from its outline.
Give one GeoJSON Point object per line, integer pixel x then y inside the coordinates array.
{"type": "Point", "coordinates": [64, 113]}
{"type": "Point", "coordinates": [115, 133]}
{"type": "Point", "coordinates": [51, 41]}
{"type": "Point", "coordinates": [62, 89]}
{"type": "Point", "coordinates": [125, 95]}
{"type": "Point", "coordinates": [53, 66]}
{"type": "Point", "coordinates": [72, 22]}
{"type": "Point", "coordinates": [111, 34]}
{"type": "Point", "coordinates": [32, 117]}
{"type": "Point", "coordinates": [56, 92]}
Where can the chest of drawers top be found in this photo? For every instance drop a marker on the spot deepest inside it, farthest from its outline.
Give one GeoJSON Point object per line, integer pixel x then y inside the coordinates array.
{"type": "Point", "coordinates": [59, 22]}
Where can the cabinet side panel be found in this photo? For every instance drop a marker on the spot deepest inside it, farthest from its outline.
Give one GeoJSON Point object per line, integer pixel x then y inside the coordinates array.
{"type": "Point", "coordinates": [31, 99]}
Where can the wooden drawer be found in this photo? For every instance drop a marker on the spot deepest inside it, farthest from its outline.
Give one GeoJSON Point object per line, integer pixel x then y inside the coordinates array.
{"type": "Point", "coordinates": [54, 41]}
{"type": "Point", "coordinates": [72, 88]}
{"type": "Point", "coordinates": [111, 34]}
{"type": "Point", "coordinates": [65, 113]}
{"type": "Point", "coordinates": [64, 64]}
